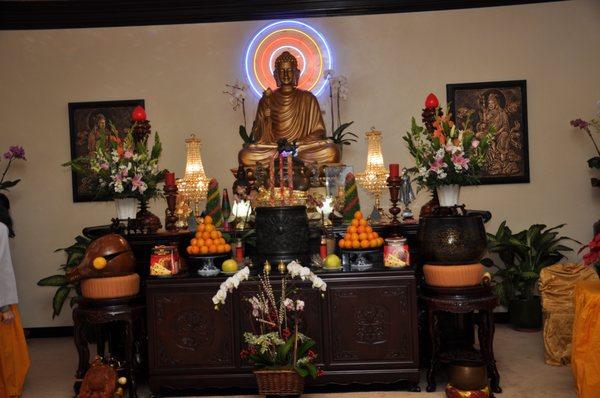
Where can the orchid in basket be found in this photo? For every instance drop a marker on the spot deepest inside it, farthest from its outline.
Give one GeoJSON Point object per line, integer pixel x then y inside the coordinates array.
{"type": "Point", "coordinates": [446, 154]}
{"type": "Point", "coordinates": [276, 342]}
{"type": "Point", "coordinates": [122, 167]}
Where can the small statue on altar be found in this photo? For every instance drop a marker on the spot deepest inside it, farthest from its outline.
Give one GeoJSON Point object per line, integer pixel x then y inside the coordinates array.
{"type": "Point", "coordinates": [292, 114]}
{"type": "Point", "coordinates": [407, 196]}
{"type": "Point", "coordinates": [241, 210]}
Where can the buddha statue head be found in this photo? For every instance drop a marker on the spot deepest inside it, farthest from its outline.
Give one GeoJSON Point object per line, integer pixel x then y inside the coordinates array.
{"type": "Point", "coordinates": [286, 71]}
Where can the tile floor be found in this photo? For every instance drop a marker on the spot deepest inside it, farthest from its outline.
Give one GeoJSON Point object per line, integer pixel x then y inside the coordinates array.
{"type": "Point", "coordinates": [520, 362]}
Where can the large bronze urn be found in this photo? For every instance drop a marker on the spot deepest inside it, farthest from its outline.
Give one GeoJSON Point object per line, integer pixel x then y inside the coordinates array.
{"type": "Point", "coordinates": [281, 234]}
{"type": "Point", "coordinates": [453, 239]}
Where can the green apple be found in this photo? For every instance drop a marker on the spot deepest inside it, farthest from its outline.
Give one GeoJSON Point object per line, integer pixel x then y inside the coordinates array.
{"type": "Point", "coordinates": [332, 261]}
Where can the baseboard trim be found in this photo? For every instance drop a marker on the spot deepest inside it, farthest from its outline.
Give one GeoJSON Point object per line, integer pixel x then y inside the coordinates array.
{"type": "Point", "coordinates": [56, 331]}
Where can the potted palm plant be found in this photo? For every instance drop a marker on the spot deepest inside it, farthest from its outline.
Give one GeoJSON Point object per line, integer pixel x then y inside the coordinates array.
{"type": "Point", "coordinates": [521, 258]}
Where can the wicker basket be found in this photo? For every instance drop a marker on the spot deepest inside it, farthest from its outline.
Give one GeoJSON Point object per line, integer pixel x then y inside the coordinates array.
{"type": "Point", "coordinates": [279, 382]}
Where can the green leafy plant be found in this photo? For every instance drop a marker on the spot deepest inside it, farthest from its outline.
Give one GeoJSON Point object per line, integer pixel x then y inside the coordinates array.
{"type": "Point", "coordinates": [75, 254]}
{"type": "Point", "coordinates": [523, 255]}
{"type": "Point", "coordinates": [247, 138]}
{"type": "Point", "coordinates": [342, 137]}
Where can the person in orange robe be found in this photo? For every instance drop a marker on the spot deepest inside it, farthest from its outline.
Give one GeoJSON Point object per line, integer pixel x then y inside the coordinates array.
{"type": "Point", "coordinates": [14, 356]}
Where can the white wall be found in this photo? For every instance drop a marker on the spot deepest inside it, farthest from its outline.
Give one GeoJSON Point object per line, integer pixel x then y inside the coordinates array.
{"type": "Point", "coordinates": [392, 61]}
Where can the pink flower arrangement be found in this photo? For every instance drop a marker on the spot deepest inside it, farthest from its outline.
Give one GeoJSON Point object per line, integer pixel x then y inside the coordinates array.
{"type": "Point", "coordinates": [444, 153]}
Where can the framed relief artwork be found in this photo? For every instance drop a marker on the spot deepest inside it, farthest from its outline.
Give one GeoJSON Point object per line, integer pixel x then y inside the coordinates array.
{"type": "Point", "coordinates": [502, 105]}
{"type": "Point", "coordinates": [86, 121]}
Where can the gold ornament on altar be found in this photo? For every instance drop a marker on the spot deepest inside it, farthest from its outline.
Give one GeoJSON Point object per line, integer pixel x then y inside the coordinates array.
{"type": "Point", "coordinates": [292, 114]}
{"type": "Point", "coordinates": [373, 179]}
{"type": "Point", "coordinates": [194, 184]}
{"type": "Point", "coordinates": [267, 197]}
{"type": "Point", "coordinates": [182, 211]}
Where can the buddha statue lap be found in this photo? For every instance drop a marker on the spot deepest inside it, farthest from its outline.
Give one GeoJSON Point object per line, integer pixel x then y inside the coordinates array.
{"type": "Point", "coordinates": [290, 113]}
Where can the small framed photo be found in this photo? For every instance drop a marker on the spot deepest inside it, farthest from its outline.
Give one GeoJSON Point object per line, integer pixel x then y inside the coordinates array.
{"type": "Point", "coordinates": [503, 106]}
{"type": "Point", "coordinates": [86, 122]}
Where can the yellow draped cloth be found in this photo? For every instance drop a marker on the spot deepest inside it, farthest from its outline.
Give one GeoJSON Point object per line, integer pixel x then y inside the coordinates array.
{"type": "Point", "coordinates": [557, 286]}
{"type": "Point", "coordinates": [14, 357]}
{"type": "Point", "coordinates": [585, 360]}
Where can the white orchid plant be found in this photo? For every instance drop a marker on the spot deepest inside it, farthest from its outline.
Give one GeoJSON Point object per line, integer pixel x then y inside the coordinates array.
{"type": "Point", "coordinates": [338, 91]}
{"type": "Point", "coordinates": [237, 99]}
{"type": "Point", "coordinates": [276, 342]}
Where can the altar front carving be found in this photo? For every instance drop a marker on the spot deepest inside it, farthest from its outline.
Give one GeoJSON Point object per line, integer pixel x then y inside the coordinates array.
{"type": "Point", "coordinates": [367, 321]}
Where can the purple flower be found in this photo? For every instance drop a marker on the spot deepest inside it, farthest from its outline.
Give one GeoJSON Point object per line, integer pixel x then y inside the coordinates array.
{"type": "Point", "coordinates": [460, 162]}
{"type": "Point", "coordinates": [16, 152]}
{"type": "Point", "coordinates": [579, 123]}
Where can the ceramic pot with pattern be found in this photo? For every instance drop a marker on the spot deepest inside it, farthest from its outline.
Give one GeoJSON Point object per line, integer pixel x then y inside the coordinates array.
{"type": "Point", "coordinates": [281, 234]}
{"type": "Point", "coordinates": [452, 239]}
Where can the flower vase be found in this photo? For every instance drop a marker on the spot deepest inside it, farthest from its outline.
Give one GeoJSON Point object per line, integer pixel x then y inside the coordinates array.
{"type": "Point", "coordinates": [126, 208]}
{"type": "Point", "coordinates": [146, 220]}
{"type": "Point", "coordinates": [448, 195]}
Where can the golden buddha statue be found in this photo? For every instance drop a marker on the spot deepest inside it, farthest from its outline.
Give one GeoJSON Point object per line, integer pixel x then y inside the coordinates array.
{"type": "Point", "coordinates": [292, 114]}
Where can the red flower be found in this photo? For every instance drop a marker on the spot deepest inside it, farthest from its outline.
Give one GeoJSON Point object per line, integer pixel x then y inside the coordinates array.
{"type": "Point", "coordinates": [320, 372]}
{"type": "Point", "coordinates": [286, 333]}
{"type": "Point", "coordinates": [311, 354]}
{"type": "Point", "coordinates": [244, 354]}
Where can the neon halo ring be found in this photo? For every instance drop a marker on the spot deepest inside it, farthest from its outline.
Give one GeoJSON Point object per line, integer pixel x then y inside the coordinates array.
{"type": "Point", "coordinates": [302, 40]}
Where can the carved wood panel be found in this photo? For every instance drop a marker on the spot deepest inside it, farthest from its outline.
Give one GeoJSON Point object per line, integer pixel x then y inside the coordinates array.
{"type": "Point", "coordinates": [189, 332]}
{"type": "Point", "coordinates": [371, 323]}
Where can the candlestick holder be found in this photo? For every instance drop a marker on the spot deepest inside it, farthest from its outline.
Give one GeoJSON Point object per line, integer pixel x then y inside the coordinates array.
{"type": "Point", "coordinates": [170, 217]}
{"type": "Point", "coordinates": [393, 184]}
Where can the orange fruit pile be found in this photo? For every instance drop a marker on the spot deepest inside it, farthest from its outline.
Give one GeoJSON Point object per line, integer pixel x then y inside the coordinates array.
{"type": "Point", "coordinates": [360, 235]}
{"type": "Point", "coordinates": [208, 240]}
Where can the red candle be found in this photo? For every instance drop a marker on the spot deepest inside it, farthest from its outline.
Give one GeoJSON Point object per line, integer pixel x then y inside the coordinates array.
{"type": "Point", "coordinates": [431, 101]}
{"type": "Point", "coordinates": [290, 174]}
{"type": "Point", "coordinates": [272, 178]}
{"type": "Point", "coordinates": [281, 182]}
{"type": "Point", "coordinates": [170, 179]}
{"type": "Point", "coordinates": [394, 170]}
{"type": "Point", "coordinates": [138, 114]}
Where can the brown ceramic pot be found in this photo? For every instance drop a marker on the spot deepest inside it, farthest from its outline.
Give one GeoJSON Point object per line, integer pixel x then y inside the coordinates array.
{"type": "Point", "coordinates": [467, 375]}
{"type": "Point", "coordinates": [453, 275]}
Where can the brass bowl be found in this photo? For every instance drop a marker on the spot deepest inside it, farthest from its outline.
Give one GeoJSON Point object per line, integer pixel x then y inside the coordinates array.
{"type": "Point", "coordinates": [467, 375]}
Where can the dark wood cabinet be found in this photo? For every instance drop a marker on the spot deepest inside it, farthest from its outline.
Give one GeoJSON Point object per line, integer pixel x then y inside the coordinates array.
{"type": "Point", "coordinates": [365, 327]}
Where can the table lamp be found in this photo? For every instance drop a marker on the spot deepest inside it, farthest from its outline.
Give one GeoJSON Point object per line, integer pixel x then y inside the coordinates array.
{"type": "Point", "coordinates": [373, 179]}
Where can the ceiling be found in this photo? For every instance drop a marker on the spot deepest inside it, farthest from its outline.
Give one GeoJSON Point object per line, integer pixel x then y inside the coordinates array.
{"type": "Point", "coordinates": [58, 14]}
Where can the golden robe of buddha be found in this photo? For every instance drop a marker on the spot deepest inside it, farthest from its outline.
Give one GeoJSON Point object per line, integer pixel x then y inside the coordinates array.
{"type": "Point", "coordinates": [290, 113]}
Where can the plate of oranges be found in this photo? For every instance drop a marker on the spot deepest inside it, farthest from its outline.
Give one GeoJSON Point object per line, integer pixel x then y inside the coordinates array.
{"type": "Point", "coordinates": [360, 235]}
{"type": "Point", "coordinates": [208, 240]}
